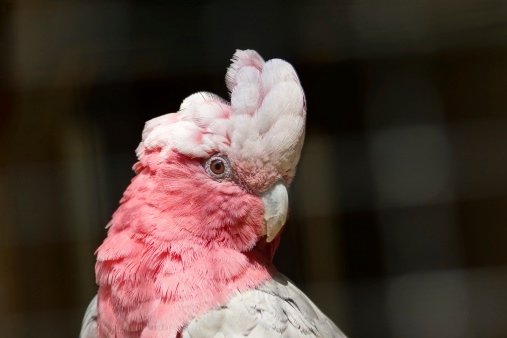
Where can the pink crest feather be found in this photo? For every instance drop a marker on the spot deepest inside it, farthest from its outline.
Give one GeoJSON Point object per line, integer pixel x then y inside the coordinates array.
{"type": "Point", "coordinates": [265, 121]}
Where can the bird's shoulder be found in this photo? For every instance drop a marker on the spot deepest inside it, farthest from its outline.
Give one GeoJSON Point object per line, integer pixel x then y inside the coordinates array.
{"type": "Point", "coordinates": [275, 309]}
{"type": "Point", "coordinates": [89, 325]}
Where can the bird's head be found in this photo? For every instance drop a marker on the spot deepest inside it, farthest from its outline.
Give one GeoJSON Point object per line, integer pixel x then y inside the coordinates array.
{"type": "Point", "coordinates": [218, 170]}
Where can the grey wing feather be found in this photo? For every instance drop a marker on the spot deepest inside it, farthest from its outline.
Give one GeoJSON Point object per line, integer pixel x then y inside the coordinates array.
{"type": "Point", "coordinates": [275, 309]}
{"type": "Point", "coordinates": [89, 325]}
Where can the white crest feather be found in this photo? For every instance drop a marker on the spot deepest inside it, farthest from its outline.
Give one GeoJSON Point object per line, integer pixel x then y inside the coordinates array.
{"type": "Point", "coordinates": [266, 117]}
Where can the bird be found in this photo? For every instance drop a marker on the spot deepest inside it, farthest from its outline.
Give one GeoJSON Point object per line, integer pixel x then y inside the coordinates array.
{"type": "Point", "coordinates": [189, 251]}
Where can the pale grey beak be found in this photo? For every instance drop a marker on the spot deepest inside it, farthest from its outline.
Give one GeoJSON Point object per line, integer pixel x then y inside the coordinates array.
{"type": "Point", "coordinates": [276, 206]}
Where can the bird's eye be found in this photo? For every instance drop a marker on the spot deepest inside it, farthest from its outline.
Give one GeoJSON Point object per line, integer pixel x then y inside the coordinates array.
{"type": "Point", "coordinates": [218, 167]}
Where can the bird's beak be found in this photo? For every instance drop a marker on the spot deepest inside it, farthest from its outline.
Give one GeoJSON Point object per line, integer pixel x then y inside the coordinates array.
{"type": "Point", "coordinates": [276, 205]}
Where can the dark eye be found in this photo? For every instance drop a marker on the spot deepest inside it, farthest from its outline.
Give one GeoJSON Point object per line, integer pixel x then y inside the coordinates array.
{"type": "Point", "coordinates": [218, 167]}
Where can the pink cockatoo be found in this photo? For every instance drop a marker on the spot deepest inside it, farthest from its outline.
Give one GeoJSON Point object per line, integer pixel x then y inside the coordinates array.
{"type": "Point", "coordinates": [189, 251]}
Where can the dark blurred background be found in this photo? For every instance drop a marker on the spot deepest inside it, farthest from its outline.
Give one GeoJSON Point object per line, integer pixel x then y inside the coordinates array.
{"type": "Point", "coordinates": [399, 210]}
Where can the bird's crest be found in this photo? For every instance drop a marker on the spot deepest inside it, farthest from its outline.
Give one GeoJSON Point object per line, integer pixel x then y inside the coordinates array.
{"type": "Point", "coordinates": [264, 121]}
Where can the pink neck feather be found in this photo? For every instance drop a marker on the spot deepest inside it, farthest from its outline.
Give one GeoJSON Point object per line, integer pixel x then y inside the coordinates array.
{"type": "Point", "coordinates": [179, 245]}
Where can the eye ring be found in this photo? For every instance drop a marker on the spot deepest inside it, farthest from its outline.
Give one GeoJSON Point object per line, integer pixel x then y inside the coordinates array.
{"type": "Point", "coordinates": [218, 167]}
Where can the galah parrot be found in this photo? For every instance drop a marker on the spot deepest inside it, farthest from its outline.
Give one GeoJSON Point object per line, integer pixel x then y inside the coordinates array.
{"type": "Point", "coordinates": [189, 250]}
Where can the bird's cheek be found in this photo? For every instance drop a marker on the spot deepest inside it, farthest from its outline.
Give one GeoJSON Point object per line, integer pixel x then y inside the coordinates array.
{"type": "Point", "coordinates": [247, 220]}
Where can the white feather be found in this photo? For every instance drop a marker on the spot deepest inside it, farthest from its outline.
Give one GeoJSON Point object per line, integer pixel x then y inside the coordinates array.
{"type": "Point", "coordinates": [276, 71]}
{"type": "Point", "coordinates": [89, 325]}
{"type": "Point", "coordinates": [276, 309]}
{"type": "Point", "coordinates": [248, 74]}
{"type": "Point", "coordinates": [199, 98]}
{"type": "Point", "coordinates": [245, 98]}
{"type": "Point", "coordinates": [241, 59]}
